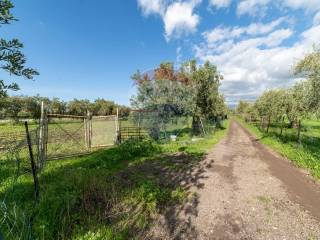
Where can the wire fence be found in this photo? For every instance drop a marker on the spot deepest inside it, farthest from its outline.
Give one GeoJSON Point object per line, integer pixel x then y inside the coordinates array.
{"type": "Point", "coordinates": [302, 132]}
{"type": "Point", "coordinates": [15, 223]}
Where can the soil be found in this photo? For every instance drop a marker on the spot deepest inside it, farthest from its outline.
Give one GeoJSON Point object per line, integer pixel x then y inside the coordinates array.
{"type": "Point", "coordinates": [243, 190]}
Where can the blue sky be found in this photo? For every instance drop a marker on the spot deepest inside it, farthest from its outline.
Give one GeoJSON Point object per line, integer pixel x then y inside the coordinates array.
{"type": "Point", "coordinates": [90, 48]}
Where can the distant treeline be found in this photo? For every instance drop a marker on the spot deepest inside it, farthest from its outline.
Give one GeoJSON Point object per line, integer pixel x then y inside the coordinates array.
{"type": "Point", "coordinates": [16, 107]}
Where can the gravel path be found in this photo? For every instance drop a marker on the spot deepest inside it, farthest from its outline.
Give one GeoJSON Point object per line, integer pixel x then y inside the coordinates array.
{"type": "Point", "coordinates": [245, 192]}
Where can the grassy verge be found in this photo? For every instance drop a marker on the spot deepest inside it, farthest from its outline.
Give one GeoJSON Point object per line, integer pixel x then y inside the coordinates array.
{"type": "Point", "coordinates": [305, 155]}
{"type": "Point", "coordinates": [111, 194]}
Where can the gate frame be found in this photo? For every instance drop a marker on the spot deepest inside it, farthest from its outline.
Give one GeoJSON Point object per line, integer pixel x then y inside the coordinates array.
{"type": "Point", "coordinates": [88, 134]}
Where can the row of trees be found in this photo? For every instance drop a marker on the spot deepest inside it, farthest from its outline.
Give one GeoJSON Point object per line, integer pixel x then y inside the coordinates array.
{"type": "Point", "coordinates": [300, 101]}
{"type": "Point", "coordinates": [16, 107]}
{"type": "Point", "coordinates": [192, 90]}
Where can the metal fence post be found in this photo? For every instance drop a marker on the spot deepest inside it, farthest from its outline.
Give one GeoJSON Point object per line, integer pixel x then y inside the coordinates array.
{"type": "Point", "coordinates": [33, 165]}
{"type": "Point", "coordinates": [42, 141]}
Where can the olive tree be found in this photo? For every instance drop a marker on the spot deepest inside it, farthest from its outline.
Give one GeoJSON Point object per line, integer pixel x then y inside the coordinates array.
{"type": "Point", "coordinates": [11, 58]}
{"type": "Point", "coordinates": [296, 102]}
{"type": "Point", "coordinates": [309, 67]}
{"type": "Point", "coordinates": [271, 105]}
{"type": "Point", "coordinates": [192, 90]}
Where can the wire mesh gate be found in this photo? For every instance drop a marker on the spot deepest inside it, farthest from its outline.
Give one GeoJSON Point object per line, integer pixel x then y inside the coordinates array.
{"type": "Point", "coordinates": [103, 131]}
{"type": "Point", "coordinates": [65, 136]}
{"type": "Point", "coordinates": [68, 135]}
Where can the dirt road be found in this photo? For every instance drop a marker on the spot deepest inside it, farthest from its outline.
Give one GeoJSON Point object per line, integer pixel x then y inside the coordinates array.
{"type": "Point", "coordinates": [245, 192]}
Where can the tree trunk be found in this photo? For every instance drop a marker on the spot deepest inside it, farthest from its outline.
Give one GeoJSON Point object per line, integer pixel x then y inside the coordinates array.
{"type": "Point", "coordinates": [299, 132]}
{"type": "Point", "coordinates": [292, 123]}
{"type": "Point", "coordinates": [282, 123]}
{"type": "Point", "coordinates": [196, 125]}
{"type": "Point", "coordinates": [268, 124]}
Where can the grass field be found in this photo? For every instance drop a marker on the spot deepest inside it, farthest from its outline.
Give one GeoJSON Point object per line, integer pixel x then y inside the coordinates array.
{"type": "Point", "coordinates": [305, 154]}
{"type": "Point", "coordinates": [110, 194]}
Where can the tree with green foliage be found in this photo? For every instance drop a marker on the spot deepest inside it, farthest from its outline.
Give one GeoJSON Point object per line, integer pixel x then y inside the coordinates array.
{"type": "Point", "coordinates": [309, 67]}
{"type": "Point", "coordinates": [247, 110]}
{"type": "Point", "coordinates": [208, 103]}
{"type": "Point", "coordinates": [191, 91]}
{"type": "Point", "coordinates": [104, 107]}
{"type": "Point", "coordinates": [242, 107]}
{"type": "Point", "coordinates": [163, 92]}
{"type": "Point", "coordinates": [58, 106]}
{"type": "Point", "coordinates": [296, 102]}
{"type": "Point", "coordinates": [79, 107]}
{"type": "Point", "coordinates": [271, 105]}
{"type": "Point", "coordinates": [12, 59]}
{"type": "Point", "coordinates": [13, 107]}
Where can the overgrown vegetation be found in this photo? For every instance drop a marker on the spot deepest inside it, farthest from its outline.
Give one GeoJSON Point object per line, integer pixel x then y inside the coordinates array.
{"type": "Point", "coordinates": [111, 194]}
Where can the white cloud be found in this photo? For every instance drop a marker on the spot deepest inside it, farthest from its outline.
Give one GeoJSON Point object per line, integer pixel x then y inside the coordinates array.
{"type": "Point", "coordinates": [151, 6]}
{"type": "Point", "coordinates": [180, 19]}
{"type": "Point", "coordinates": [277, 37]}
{"type": "Point", "coordinates": [220, 3]}
{"type": "Point", "coordinates": [260, 28]}
{"type": "Point", "coordinates": [255, 7]}
{"type": "Point", "coordinates": [312, 35]}
{"type": "Point", "coordinates": [255, 64]}
{"type": "Point", "coordinates": [254, 29]}
{"type": "Point", "coordinates": [316, 19]}
{"type": "Point", "coordinates": [309, 5]}
{"type": "Point", "coordinates": [178, 15]}
{"type": "Point", "coordinates": [252, 7]}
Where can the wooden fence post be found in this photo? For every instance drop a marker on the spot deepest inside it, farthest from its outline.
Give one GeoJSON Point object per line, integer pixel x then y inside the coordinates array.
{"type": "Point", "coordinates": [118, 133]}
{"type": "Point", "coordinates": [85, 131]}
{"type": "Point", "coordinates": [89, 130]}
{"type": "Point", "coordinates": [33, 165]}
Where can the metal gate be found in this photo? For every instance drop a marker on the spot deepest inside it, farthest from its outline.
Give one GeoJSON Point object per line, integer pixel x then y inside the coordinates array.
{"type": "Point", "coordinates": [68, 135]}
{"type": "Point", "coordinates": [103, 131]}
{"type": "Point", "coordinates": [65, 135]}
